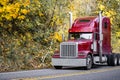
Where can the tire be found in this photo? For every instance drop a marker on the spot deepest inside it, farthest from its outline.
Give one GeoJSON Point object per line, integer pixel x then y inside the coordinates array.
{"type": "Point", "coordinates": [109, 60]}
{"type": "Point", "coordinates": [118, 59]}
{"type": "Point", "coordinates": [113, 60]}
{"type": "Point", "coordinates": [88, 62]}
{"type": "Point", "coordinates": [58, 67]}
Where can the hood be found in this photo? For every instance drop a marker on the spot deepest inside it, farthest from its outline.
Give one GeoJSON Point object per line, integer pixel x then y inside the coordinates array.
{"type": "Point", "coordinates": [84, 45]}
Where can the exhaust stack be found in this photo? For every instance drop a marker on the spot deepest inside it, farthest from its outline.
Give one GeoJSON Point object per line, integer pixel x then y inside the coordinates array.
{"type": "Point", "coordinates": [100, 35]}
{"type": "Point", "coordinates": [70, 19]}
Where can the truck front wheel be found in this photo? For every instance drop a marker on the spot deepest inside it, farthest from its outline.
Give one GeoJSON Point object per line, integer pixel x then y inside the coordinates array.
{"type": "Point", "coordinates": [58, 67]}
{"type": "Point", "coordinates": [88, 62]}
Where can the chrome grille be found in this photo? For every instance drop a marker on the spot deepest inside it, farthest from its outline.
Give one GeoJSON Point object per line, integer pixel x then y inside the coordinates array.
{"type": "Point", "coordinates": [68, 49]}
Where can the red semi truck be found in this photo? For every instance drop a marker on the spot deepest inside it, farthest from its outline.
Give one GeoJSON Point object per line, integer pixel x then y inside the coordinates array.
{"type": "Point", "coordinates": [89, 43]}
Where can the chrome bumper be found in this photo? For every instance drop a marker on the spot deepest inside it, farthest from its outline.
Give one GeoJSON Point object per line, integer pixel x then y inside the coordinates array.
{"type": "Point", "coordinates": [68, 62]}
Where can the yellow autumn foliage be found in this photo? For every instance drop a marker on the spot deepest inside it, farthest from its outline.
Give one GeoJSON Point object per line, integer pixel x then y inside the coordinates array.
{"type": "Point", "coordinates": [14, 15]}
{"type": "Point", "coordinates": [71, 6]}
{"type": "Point", "coordinates": [117, 34]}
{"type": "Point", "coordinates": [41, 14]}
{"type": "Point", "coordinates": [8, 17]}
{"type": "Point", "coordinates": [28, 36]}
{"type": "Point", "coordinates": [57, 37]}
{"type": "Point", "coordinates": [21, 17]}
{"type": "Point", "coordinates": [24, 11]}
{"type": "Point", "coordinates": [26, 3]}
{"type": "Point", "coordinates": [1, 10]}
{"type": "Point", "coordinates": [102, 7]}
{"type": "Point", "coordinates": [108, 14]}
{"type": "Point", "coordinates": [13, 11]}
{"type": "Point", "coordinates": [17, 5]}
{"type": "Point", "coordinates": [4, 2]}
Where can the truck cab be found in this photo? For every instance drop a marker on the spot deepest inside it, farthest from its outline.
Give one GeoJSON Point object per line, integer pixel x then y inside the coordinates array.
{"type": "Point", "coordinates": [87, 44]}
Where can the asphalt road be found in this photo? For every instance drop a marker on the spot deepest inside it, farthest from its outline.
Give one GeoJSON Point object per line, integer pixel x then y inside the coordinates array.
{"type": "Point", "coordinates": [97, 73]}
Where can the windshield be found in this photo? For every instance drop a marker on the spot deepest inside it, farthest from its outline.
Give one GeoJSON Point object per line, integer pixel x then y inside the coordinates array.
{"type": "Point", "coordinates": [80, 36]}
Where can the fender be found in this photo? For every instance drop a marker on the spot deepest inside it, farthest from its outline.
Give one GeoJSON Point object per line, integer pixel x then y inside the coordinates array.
{"type": "Point", "coordinates": [83, 54]}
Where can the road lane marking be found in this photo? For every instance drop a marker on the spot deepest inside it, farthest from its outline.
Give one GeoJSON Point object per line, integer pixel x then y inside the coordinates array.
{"type": "Point", "coordinates": [69, 74]}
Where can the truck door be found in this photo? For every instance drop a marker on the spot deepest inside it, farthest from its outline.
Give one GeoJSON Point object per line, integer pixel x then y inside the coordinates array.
{"type": "Point", "coordinates": [95, 43]}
